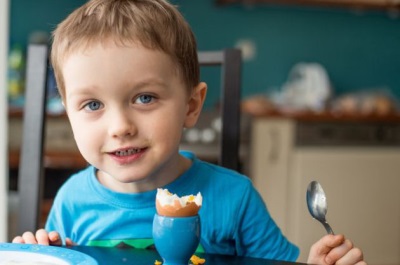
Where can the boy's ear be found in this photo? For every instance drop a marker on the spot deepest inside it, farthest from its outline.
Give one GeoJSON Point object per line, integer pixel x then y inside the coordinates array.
{"type": "Point", "coordinates": [195, 104]}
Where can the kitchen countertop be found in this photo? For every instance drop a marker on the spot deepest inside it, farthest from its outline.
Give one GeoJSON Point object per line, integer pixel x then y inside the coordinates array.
{"type": "Point", "coordinates": [337, 129]}
{"type": "Point", "coordinates": [327, 116]}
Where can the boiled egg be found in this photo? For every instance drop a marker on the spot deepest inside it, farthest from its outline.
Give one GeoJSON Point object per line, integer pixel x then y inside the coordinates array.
{"type": "Point", "coordinates": [169, 204]}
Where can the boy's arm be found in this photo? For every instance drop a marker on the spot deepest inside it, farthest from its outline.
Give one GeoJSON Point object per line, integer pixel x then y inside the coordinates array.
{"type": "Point", "coordinates": [259, 235]}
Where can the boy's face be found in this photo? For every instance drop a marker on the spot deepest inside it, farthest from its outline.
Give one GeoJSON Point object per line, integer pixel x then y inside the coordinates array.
{"type": "Point", "coordinates": [127, 107]}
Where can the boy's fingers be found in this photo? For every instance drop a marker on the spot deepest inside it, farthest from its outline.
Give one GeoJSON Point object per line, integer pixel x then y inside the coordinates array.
{"type": "Point", "coordinates": [42, 237]}
{"type": "Point", "coordinates": [335, 249]}
{"type": "Point", "coordinates": [69, 242]}
{"type": "Point", "coordinates": [18, 239]}
{"type": "Point", "coordinates": [340, 252]}
{"type": "Point", "coordinates": [54, 238]}
{"type": "Point", "coordinates": [353, 256]}
{"type": "Point", "coordinates": [29, 238]}
{"type": "Point", "coordinates": [322, 247]}
{"type": "Point", "coordinates": [331, 241]}
{"type": "Point", "coordinates": [361, 263]}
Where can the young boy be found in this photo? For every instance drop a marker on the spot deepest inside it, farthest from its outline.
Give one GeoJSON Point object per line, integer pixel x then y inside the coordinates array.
{"type": "Point", "coordinates": [128, 75]}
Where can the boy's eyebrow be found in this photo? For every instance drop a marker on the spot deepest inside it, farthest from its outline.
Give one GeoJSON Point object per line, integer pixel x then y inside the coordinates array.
{"type": "Point", "coordinates": [138, 85]}
{"type": "Point", "coordinates": [150, 82]}
{"type": "Point", "coordinates": [81, 91]}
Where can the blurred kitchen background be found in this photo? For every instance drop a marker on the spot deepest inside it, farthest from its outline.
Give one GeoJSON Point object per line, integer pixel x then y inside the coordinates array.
{"type": "Point", "coordinates": [320, 101]}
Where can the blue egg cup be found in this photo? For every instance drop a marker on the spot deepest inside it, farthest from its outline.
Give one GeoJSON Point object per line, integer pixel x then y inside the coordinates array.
{"type": "Point", "coordinates": [176, 238]}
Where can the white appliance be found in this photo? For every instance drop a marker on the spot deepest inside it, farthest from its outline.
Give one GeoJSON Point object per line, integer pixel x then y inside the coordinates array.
{"type": "Point", "coordinates": [3, 118]}
{"type": "Point", "coordinates": [358, 166]}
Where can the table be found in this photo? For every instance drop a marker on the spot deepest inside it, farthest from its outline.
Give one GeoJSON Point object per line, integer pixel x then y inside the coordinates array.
{"type": "Point", "coordinates": [115, 256]}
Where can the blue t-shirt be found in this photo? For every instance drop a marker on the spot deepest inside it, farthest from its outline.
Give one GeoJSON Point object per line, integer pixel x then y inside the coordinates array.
{"type": "Point", "coordinates": [234, 219]}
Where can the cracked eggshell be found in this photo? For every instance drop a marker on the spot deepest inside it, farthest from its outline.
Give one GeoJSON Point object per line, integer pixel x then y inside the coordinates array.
{"type": "Point", "coordinates": [171, 205]}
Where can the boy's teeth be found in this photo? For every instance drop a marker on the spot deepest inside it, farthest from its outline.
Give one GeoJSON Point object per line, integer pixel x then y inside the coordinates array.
{"type": "Point", "coordinates": [127, 152]}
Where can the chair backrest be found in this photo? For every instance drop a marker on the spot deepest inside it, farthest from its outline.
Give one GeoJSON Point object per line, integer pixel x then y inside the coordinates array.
{"type": "Point", "coordinates": [31, 169]}
{"type": "Point", "coordinates": [230, 61]}
{"type": "Point", "coordinates": [30, 179]}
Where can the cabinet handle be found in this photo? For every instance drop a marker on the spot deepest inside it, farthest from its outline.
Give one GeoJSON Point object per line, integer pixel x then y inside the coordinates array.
{"type": "Point", "coordinates": [273, 151]}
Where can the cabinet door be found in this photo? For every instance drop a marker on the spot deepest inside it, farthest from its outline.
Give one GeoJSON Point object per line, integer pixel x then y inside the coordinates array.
{"type": "Point", "coordinates": [363, 195]}
{"type": "Point", "coordinates": [271, 147]}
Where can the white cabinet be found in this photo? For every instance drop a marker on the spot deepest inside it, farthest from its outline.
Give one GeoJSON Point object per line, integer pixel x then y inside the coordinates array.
{"type": "Point", "coordinates": [271, 148]}
{"type": "Point", "coordinates": [362, 186]}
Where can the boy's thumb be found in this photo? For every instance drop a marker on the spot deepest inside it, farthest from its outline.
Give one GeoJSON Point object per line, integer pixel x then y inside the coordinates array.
{"type": "Point", "coordinates": [332, 241]}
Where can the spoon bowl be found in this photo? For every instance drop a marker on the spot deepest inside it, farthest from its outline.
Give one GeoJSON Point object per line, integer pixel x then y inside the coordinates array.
{"type": "Point", "coordinates": [317, 204]}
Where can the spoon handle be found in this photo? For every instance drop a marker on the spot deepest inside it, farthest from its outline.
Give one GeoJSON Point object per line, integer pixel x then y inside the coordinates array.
{"type": "Point", "coordinates": [328, 228]}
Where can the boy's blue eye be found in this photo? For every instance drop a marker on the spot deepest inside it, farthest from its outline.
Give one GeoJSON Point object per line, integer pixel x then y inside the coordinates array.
{"type": "Point", "coordinates": [144, 99]}
{"type": "Point", "coordinates": [93, 105]}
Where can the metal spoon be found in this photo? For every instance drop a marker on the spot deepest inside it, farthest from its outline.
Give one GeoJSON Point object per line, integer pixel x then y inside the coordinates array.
{"type": "Point", "coordinates": [317, 205]}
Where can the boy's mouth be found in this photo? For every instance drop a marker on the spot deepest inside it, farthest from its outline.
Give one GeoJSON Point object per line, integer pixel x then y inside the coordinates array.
{"type": "Point", "coordinates": [127, 152]}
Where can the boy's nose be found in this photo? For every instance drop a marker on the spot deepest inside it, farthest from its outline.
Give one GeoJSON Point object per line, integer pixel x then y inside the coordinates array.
{"type": "Point", "coordinates": [121, 125]}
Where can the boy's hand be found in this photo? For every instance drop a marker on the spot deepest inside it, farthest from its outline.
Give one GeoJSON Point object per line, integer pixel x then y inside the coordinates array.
{"type": "Point", "coordinates": [43, 238]}
{"type": "Point", "coordinates": [335, 249]}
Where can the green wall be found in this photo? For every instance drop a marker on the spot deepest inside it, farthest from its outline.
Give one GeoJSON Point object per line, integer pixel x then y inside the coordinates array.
{"type": "Point", "coordinates": [358, 49]}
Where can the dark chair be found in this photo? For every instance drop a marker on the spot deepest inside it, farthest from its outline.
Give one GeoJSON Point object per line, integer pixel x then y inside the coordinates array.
{"type": "Point", "coordinates": [30, 179]}
{"type": "Point", "coordinates": [230, 61]}
{"type": "Point", "coordinates": [31, 168]}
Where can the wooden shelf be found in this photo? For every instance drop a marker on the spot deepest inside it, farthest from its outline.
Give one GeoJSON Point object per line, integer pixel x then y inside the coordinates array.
{"type": "Point", "coordinates": [309, 116]}
{"type": "Point", "coordinates": [56, 160]}
{"type": "Point", "coordinates": [361, 4]}
{"type": "Point", "coordinates": [14, 112]}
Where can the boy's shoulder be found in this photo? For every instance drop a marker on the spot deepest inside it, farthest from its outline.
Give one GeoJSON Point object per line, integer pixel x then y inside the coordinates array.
{"type": "Point", "coordinates": [78, 181]}
{"type": "Point", "coordinates": [86, 172]}
{"type": "Point", "coordinates": [219, 176]}
{"type": "Point", "coordinates": [224, 173]}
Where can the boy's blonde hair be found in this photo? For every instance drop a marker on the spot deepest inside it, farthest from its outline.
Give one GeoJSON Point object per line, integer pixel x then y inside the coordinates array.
{"type": "Point", "coordinates": [155, 24]}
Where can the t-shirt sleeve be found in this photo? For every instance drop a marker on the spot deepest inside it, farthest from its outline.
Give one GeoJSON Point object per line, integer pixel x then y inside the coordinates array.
{"type": "Point", "coordinates": [258, 234]}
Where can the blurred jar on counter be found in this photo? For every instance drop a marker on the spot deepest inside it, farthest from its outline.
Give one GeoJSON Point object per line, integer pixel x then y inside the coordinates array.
{"type": "Point", "coordinates": [16, 70]}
